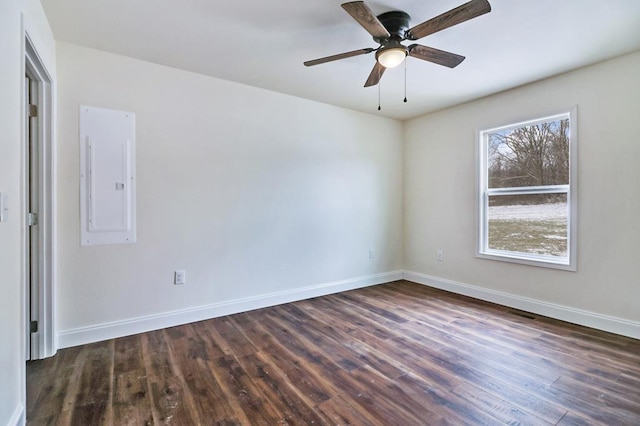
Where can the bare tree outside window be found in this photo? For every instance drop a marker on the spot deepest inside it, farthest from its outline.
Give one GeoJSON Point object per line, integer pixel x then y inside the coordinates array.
{"type": "Point", "coordinates": [536, 155]}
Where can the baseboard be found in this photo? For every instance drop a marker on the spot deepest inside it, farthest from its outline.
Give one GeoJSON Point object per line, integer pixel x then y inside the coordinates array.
{"type": "Point", "coordinates": [99, 332]}
{"type": "Point", "coordinates": [17, 419]}
{"type": "Point", "coordinates": [564, 313]}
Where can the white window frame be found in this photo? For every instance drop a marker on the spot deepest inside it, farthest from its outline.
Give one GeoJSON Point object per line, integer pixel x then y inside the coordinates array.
{"type": "Point", "coordinates": [484, 192]}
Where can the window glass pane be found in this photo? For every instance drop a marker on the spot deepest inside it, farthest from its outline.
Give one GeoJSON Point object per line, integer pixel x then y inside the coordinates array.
{"type": "Point", "coordinates": [532, 155]}
{"type": "Point", "coordinates": [532, 224]}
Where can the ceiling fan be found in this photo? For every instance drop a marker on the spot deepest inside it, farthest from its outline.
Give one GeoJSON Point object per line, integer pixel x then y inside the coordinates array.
{"type": "Point", "coordinates": [390, 29]}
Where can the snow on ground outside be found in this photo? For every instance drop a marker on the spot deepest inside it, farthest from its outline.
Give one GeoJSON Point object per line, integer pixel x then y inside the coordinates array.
{"type": "Point", "coordinates": [552, 211]}
{"type": "Point", "coordinates": [539, 229]}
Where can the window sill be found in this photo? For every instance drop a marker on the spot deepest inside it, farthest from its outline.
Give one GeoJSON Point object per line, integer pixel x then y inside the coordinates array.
{"type": "Point", "coordinates": [528, 260]}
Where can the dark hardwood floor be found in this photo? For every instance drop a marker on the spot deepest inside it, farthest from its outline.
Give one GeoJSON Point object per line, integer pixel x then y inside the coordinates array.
{"type": "Point", "coordinates": [393, 354]}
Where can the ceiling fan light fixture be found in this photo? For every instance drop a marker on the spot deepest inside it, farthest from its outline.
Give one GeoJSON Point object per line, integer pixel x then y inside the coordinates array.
{"type": "Point", "coordinates": [391, 57]}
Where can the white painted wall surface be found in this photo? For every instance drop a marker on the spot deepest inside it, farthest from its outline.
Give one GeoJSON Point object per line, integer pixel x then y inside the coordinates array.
{"type": "Point", "coordinates": [15, 17]}
{"type": "Point", "coordinates": [439, 199]}
{"type": "Point", "coordinates": [252, 192]}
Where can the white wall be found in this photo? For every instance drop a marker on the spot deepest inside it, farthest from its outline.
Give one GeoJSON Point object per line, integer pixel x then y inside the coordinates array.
{"type": "Point", "coordinates": [254, 193]}
{"type": "Point", "coordinates": [440, 193]}
{"type": "Point", "coordinates": [15, 18]}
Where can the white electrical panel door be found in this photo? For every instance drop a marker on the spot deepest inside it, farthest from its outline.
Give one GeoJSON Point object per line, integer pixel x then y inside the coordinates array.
{"type": "Point", "coordinates": [108, 195]}
{"type": "Point", "coordinates": [107, 176]}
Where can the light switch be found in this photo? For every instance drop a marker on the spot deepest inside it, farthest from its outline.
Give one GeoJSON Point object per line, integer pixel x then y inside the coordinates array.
{"type": "Point", "coordinates": [4, 208]}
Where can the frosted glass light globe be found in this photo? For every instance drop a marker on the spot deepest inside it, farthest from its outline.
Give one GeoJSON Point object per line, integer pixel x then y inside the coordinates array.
{"type": "Point", "coordinates": [391, 57]}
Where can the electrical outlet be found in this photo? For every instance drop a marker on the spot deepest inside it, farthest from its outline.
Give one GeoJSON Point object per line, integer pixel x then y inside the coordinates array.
{"type": "Point", "coordinates": [371, 254]}
{"type": "Point", "coordinates": [439, 256]}
{"type": "Point", "coordinates": [179, 277]}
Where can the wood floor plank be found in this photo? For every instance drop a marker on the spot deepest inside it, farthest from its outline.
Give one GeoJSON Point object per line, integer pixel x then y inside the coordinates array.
{"type": "Point", "coordinates": [443, 403]}
{"type": "Point", "coordinates": [246, 395]}
{"type": "Point", "coordinates": [503, 410]}
{"type": "Point", "coordinates": [131, 401]}
{"type": "Point", "coordinates": [598, 405]}
{"type": "Point", "coordinates": [341, 411]}
{"type": "Point", "coordinates": [199, 380]}
{"type": "Point", "coordinates": [297, 369]}
{"type": "Point", "coordinates": [273, 384]}
{"type": "Point", "coordinates": [54, 381]}
{"type": "Point", "coordinates": [127, 354]}
{"type": "Point", "coordinates": [386, 389]}
{"type": "Point", "coordinates": [392, 354]}
{"type": "Point", "coordinates": [357, 321]}
{"type": "Point", "coordinates": [328, 396]}
{"type": "Point", "coordinates": [233, 343]}
{"type": "Point", "coordinates": [354, 352]}
{"type": "Point", "coordinates": [385, 405]}
{"type": "Point", "coordinates": [166, 389]}
{"type": "Point", "coordinates": [93, 402]}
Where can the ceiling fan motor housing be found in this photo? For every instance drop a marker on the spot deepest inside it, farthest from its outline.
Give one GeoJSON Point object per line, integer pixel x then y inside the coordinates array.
{"type": "Point", "coordinates": [397, 23]}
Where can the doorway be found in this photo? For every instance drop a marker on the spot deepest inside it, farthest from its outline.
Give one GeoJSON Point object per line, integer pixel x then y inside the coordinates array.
{"type": "Point", "coordinates": [37, 204]}
{"type": "Point", "coordinates": [31, 204]}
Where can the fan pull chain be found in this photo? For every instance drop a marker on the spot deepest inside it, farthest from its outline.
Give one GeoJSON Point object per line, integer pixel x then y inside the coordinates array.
{"type": "Point", "coordinates": [405, 81]}
{"type": "Point", "coordinates": [379, 84]}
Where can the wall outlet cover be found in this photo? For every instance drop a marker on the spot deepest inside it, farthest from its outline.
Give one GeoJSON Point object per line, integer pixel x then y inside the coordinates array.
{"type": "Point", "coordinates": [179, 277]}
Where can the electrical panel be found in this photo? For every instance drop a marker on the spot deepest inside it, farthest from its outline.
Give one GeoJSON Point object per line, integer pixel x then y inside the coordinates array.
{"type": "Point", "coordinates": [107, 176]}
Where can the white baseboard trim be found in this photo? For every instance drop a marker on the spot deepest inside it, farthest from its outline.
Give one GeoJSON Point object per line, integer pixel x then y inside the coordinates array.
{"type": "Point", "coordinates": [564, 313]}
{"type": "Point", "coordinates": [99, 332]}
{"type": "Point", "coordinates": [17, 419]}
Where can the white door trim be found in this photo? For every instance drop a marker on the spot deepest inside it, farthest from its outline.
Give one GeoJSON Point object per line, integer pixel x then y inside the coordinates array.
{"type": "Point", "coordinates": [45, 342]}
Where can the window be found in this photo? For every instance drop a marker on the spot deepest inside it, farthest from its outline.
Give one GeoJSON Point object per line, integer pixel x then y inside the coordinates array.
{"type": "Point", "coordinates": [527, 192]}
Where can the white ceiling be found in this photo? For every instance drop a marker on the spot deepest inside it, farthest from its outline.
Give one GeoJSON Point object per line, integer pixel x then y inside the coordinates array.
{"type": "Point", "coordinates": [264, 43]}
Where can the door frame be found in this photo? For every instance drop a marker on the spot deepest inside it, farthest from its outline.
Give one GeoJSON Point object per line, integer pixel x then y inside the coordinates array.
{"type": "Point", "coordinates": [44, 343]}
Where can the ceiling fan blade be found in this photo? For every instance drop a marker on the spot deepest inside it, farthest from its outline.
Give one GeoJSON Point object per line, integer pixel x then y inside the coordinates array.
{"type": "Point", "coordinates": [338, 56]}
{"type": "Point", "coordinates": [365, 17]}
{"type": "Point", "coordinates": [460, 14]}
{"type": "Point", "coordinates": [436, 56]}
{"type": "Point", "coordinates": [376, 75]}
